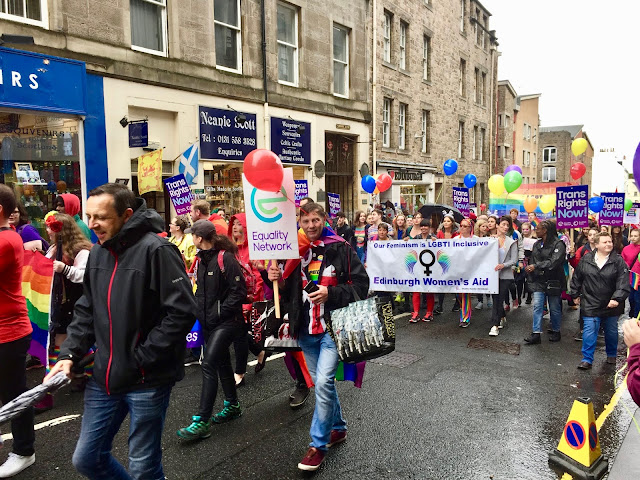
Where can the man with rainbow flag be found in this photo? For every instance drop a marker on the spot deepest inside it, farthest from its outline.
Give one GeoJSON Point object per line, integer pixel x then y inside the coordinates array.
{"type": "Point", "coordinates": [322, 279]}
{"type": "Point", "coordinates": [15, 338]}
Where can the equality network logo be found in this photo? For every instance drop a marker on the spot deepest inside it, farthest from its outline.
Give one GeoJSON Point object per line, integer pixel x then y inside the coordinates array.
{"type": "Point", "coordinates": [262, 208]}
{"type": "Point", "coordinates": [427, 259]}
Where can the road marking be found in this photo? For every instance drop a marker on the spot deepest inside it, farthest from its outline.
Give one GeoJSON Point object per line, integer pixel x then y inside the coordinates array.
{"type": "Point", "coordinates": [48, 423]}
{"type": "Point", "coordinates": [272, 357]}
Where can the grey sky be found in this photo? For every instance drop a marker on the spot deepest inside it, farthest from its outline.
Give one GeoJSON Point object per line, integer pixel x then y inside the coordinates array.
{"type": "Point", "coordinates": [584, 57]}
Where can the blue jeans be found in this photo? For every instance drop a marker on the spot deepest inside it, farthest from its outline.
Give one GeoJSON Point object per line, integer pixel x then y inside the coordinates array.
{"type": "Point", "coordinates": [590, 336]}
{"type": "Point", "coordinates": [555, 310]}
{"type": "Point", "coordinates": [634, 303]}
{"type": "Point", "coordinates": [103, 415]}
{"type": "Point", "coordinates": [321, 355]}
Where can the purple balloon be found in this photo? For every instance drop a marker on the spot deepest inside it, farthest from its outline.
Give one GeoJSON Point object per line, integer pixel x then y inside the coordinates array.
{"type": "Point", "coordinates": [636, 167]}
{"type": "Point", "coordinates": [511, 168]}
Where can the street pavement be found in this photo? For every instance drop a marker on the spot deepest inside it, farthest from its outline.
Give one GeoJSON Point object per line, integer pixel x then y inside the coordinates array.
{"type": "Point", "coordinates": [454, 413]}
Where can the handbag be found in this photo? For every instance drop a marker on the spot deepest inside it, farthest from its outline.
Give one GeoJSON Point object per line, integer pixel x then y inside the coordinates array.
{"type": "Point", "coordinates": [271, 333]}
{"type": "Point", "coordinates": [282, 340]}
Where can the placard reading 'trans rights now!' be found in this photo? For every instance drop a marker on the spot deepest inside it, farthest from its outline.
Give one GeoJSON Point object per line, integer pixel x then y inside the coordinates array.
{"type": "Point", "coordinates": [271, 220]}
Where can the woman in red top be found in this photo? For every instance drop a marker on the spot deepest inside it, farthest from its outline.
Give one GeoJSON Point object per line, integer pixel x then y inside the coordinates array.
{"type": "Point", "coordinates": [448, 229]}
{"type": "Point", "coordinates": [15, 338]}
{"type": "Point", "coordinates": [630, 255]}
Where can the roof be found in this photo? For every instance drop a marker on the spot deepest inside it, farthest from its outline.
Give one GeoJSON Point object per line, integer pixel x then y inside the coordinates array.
{"type": "Point", "coordinates": [507, 83]}
{"type": "Point", "coordinates": [483, 7]}
{"type": "Point", "coordinates": [572, 129]}
{"type": "Point", "coordinates": [529, 97]}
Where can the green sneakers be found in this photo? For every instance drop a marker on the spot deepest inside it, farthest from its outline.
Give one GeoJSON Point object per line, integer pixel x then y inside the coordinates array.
{"type": "Point", "coordinates": [198, 429]}
{"type": "Point", "coordinates": [228, 413]}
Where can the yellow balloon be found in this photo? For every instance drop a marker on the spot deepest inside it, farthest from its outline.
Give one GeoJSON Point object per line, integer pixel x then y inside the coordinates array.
{"type": "Point", "coordinates": [579, 146]}
{"type": "Point", "coordinates": [496, 184]}
{"type": "Point", "coordinates": [547, 203]}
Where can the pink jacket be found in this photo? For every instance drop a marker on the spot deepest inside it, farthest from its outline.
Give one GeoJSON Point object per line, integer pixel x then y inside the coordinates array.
{"type": "Point", "coordinates": [630, 255]}
{"type": "Point", "coordinates": [633, 379]}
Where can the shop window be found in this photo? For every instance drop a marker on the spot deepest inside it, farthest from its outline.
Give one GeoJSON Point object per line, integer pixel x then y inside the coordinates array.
{"type": "Point", "coordinates": [149, 26]}
{"type": "Point", "coordinates": [340, 61]}
{"type": "Point", "coordinates": [40, 159]}
{"type": "Point", "coordinates": [412, 197]}
{"type": "Point", "coordinates": [33, 12]}
{"type": "Point", "coordinates": [226, 19]}
{"type": "Point", "coordinates": [287, 44]}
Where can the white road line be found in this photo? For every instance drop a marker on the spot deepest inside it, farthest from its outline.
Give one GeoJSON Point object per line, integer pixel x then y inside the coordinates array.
{"type": "Point", "coordinates": [48, 423]}
{"type": "Point", "coordinates": [272, 357]}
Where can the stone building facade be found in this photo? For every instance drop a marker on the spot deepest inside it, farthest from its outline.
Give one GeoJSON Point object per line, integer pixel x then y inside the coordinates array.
{"type": "Point", "coordinates": [507, 113]}
{"type": "Point", "coordinates": [555, 156]}
{"type": "Point", "coordinates": [434, 87]}
{"type": "Point", "coordinates": [527, 125]}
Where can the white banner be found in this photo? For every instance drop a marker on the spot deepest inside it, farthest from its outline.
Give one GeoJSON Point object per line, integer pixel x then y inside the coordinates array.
{"type": "Point", "coordinates": [435, 266]}
{"type": "Point", "coordinates": [271, 220]}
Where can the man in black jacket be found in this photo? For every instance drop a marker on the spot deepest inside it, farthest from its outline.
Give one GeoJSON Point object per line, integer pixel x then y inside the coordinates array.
{"type": "Point", "coordinates": [316, 286]}
{"type": "Point", "coordinates": [137, 307]}
{"type": "Point", "coordinates": [342, 228]}
{"type": "Point", "coordinates": [546, 279]}
{"type": "Point", "coordinates": [600, 284]}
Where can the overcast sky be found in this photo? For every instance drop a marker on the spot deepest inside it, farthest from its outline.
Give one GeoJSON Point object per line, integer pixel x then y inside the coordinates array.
{"type": "Point", "coordinates": [583, 56]}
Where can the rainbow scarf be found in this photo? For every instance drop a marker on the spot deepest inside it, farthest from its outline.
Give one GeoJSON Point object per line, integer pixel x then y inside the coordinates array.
{"type": "Point", "coordinates": [327, 237]}
{"type": "Point", "coordinates": [37, 279]}
{"type": "Point", "coordinates": [635, 281]}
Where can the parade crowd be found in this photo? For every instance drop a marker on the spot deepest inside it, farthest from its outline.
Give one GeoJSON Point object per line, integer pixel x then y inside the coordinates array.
{"type": "Point", "coordinates": [121, 309]}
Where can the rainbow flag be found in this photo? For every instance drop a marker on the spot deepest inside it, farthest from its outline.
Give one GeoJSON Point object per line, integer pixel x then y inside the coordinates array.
{"type": "Point", "coordinates": [635, 281]}
{"type": "Point", "coordinates": [37, 279]}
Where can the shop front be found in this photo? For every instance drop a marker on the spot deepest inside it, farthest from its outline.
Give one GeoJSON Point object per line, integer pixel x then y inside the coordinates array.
{"type": "Point", "coordinates": [43, 131]}
{"type": "Point", "coordinates": [413, 185]}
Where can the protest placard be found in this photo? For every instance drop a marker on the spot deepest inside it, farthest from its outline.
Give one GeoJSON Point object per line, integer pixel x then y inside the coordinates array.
{"type": "Point", "coordinates": [612, 213]}
{"type": "Point", "coordinates": [333, 200]}
{"type": "Point", "coordinates": [179, 193]}
{"type": "Point", "coordinates": [632, 217]}
{"type": "Point", "coordinates": [461, 200]}
{"type": "Point", "coordinates": [572, 206]}
{"type": "Point", "coordinates": [302, 190]}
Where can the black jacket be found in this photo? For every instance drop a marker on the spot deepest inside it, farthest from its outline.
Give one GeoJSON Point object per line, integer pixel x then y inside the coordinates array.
{"type": "Point", "coordinates": [596, 286]}
{"type": "Point", "coordinates": [345, 232]}
{"type": "Point", "coordinates": [340, 255]}
{"type": "Point", "coordinates": [137, 307]}
{"type": "Point", "coordinates": [219, 295]}
{"type": "Point", "coordinates": [549, 261]}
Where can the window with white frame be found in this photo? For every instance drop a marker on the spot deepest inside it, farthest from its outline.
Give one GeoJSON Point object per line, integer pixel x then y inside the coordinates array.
{"type": "Point", "coordinates": [402, 132]}
{"type": "Point", "coordinates": [475, 141]}
{"type": "Point", "coordinates": [549, 154]}
{"type": "Point", "coordinates": [426, 58]}
{"type": "Point", "coordinates": [549, 174]}
{"type": "Point", "coordinates": [340, 61]}
{"type": "Point", "coordinates": [506, 121]}
{"type": "Point", "coordinates": [226, 20]}
{"type": "Point", "coordinates": [524, 131]}
{"type": "Point", "coordinates": [33, 12]}
{"type": "Point", "coordinates": [481, 145]}
{"type": "Point", "coordinates": [535, 135]}
{"type": "Point", "coordinates": [425, 130]}
{"type": "Point", "coordinates": [386, 119]}
{"type": "Point", "coordinates": [486, 29]}
{"type": "Point", "coordinates": [149, 26]}
{"type": "Point", "coordinates": [403, 45]}
{"type": "Point", "coordinates": [460, 139]}
{"type": "Point", "coordinates": [476, 85]}
{"type": "Point", "coordinates": [462, 90]}
{"type": "Point", "coordinates": [524, 158]}
{"type": "Point", "coordinates": [528, 157]}
{"type": "Point", "coordinates": [463, 9]}
{"type": "Point", "coordinates": [500, 151]}
{"type": "Point", "coordinates": [386, 37]}
{"type": "Point", "coordinates": [287, 44]}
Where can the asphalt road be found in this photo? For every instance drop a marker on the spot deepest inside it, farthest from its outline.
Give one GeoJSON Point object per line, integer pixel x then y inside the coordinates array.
{"type": "Point", "coordinates": [454, 413]}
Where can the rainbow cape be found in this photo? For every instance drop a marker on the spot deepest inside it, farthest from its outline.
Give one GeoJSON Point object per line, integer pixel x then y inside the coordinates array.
{"type": "Point", "coordinates": [37, 280]}
{"type": "Point", "coordinates": [328, 236]}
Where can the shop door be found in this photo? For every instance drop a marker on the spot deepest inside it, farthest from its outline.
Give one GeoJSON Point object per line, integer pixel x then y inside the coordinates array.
{"type": "Point", "coordinates": [340, 164]}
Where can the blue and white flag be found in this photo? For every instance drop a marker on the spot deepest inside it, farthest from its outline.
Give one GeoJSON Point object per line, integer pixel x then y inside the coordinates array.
{"type": "Point", "coordinates": [189, 164]}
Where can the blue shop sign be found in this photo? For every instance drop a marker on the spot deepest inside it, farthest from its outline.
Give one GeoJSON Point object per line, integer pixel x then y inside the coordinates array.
{"type": "Point", "coordinates": [33, 81]}
{"type": "Point", "coordinates": [291, 140]}
{"type": "Point", "coordinates": [223, 136]}
{"type": "Point", "coordinates": [138, 134]}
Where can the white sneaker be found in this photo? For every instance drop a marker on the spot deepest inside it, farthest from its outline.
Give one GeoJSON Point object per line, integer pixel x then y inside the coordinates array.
{"type": "Point", "coordinates": [479, 306]}
{"type": "Point", "coordinates": [15, 464]}
{"type": "Point", "coordinates": [503, 322]}
{"type": "Point", "coordinates": [494, 331]}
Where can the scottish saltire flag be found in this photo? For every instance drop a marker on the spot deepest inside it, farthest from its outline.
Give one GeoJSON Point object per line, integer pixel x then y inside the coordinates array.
{"type": "Point", "coordinates": [189, 164]}
{"type": "Point", "coordinates": [37, 280]}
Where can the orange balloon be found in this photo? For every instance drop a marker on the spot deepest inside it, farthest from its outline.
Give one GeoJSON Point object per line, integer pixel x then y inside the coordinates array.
{"type": "Point", "coordinates": [530, 204]}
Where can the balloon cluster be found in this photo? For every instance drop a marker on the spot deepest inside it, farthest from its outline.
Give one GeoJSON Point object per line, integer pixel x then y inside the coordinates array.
{"type": "Point", "coordinates": [263, 169]}
{"type": "Point", "coordinates": [377, 184]}
{"type": "Point", "coordinates": [509, 182]}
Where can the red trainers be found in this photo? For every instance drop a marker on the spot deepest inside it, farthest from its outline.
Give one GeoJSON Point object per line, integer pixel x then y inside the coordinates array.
{"type": "Point", "coordinates": [337, 436]}
{"type": "Point", "coordinates": [312, 460]}
{"type": "Point", "coordinates": [414, 318]}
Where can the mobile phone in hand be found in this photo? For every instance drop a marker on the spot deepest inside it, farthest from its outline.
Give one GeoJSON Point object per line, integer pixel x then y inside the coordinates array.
{"type": "Point", "coordinates": [311, 287]}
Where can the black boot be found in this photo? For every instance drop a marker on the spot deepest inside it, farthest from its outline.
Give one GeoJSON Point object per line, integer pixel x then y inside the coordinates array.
{"type": "Point", "coordinates": [554, 337]}
{"type": "Point", "coordinates": [533, 339]}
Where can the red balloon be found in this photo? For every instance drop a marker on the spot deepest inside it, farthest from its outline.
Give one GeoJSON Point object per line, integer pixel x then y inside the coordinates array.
{"type": "Point", "coordinates": [384, 182]}
{"type": "Point", "coordinates": [483, 207]}
{"type": "Point", "coordinates": [578, 170]}
{"type": "Point", "coordinates": [263, 170]}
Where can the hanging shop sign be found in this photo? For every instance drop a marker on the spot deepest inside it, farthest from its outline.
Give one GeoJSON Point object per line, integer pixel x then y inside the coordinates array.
{"type": "Point", "coordinates": [226, 134]}
{"type": "Point", "coordinates": [138, 134]}
{"type": "Point", "coordinates": [291, 140]}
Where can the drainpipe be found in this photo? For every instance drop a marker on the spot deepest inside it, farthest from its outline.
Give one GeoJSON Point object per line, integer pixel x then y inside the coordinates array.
{"type": "Point", "coordinates": [374, 123]}
{"type": "Point", "coordinates": [264, 73]}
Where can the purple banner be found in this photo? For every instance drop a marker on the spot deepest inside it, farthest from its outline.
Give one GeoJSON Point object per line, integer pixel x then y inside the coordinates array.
{"type": "Point", "coordinates": [301, 191]}
{"type": "Point", "coordinates": [180, 193]}
{"type": "Point", "coordinates": [572, 206]}
{"type": "Point", "coordinates": [461, 200]}
{"type": "Point", "coordinates": [334, 204]}
{"type": "Point", "coordinates": [612, 214]}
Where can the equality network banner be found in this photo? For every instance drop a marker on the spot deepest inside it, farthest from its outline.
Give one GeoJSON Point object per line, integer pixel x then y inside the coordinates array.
{"type": "Point", "coordinates": [271, 220]}
{"type": "Point", "coordinates": [612, 213]}
{"type": "Point", "coordinates": [572, 206]}
{"type": "Point", "coordinates": [436, 266]}
{"type": "Point", "coordinates": [461, 200]}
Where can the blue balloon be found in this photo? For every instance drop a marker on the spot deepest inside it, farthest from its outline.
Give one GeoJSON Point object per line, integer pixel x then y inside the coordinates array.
{"type": "Point", "coordinates": [51, 186]}
{"type": "Point", "coordinates": [368, 183]}
{"type": "Point", "coordinates": [450, 167]}
{"type": "Point", "coordinates": [596, 204]}
{"type": "Point", "coordinates": [470, 180]}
